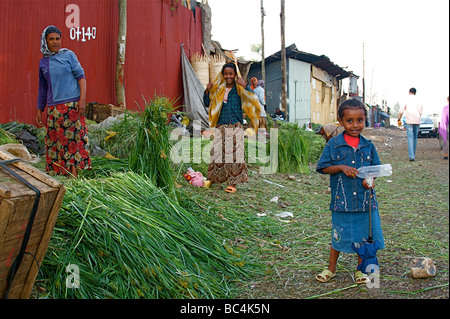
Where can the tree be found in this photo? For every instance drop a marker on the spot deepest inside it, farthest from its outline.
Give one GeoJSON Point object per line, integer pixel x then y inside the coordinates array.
{"type": "Point", "coordinates": [256, 49]}
{"type": "Point", "coordinates": [283, 61]}
{"type": "Point", "coordinates": [394, 111]}
{"type": "Point", "coordinates": [263, 57]}
{"type": "Point", "coordinates": [363, 79]}
{"type": "Point", "coordinates": [120, 61]}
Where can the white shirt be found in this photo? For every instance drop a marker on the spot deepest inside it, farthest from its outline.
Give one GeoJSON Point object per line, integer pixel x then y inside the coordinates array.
{"type": "Point", "coordinates": [227, 92]}
{"type": "Point", "coordinates": [413, 109]}
{"type": "Point", "coordinates": [259, 91]}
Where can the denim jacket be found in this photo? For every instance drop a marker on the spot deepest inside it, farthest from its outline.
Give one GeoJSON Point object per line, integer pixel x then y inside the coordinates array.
{"type": "Point", "coordinates": [348, 194]}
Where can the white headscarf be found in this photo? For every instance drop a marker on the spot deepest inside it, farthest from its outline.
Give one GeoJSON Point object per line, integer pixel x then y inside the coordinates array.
{"type": "Point", "coordinates": [44, 48]}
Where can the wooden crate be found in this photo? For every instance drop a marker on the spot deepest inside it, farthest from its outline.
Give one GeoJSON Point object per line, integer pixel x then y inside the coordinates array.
{"type": "Point", "coordinates": [16, 203]}
{"type": "Point", "coordinates": [99, 112]}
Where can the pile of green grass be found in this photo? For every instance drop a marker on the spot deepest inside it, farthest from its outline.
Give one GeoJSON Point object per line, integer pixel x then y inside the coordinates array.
{"type": "Point", "coordinates": [297, 148]}
{"type": "Point", "coordinates": [133, 235]}
{"type": "Point", "coordinates": [130, 240]}
{"type": "Point", "coordinates": [122, 142]}
{"type": "Point", "coordinates": [142, 141]}
{"type": "Point", "coordinates": [150, 153]}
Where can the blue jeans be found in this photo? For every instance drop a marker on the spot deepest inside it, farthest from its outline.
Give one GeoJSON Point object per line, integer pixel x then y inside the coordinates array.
{"type": "Point", "coordinates": [412, 131]}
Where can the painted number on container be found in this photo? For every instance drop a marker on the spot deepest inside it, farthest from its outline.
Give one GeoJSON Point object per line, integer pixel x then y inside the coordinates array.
{"type": "Point", "coordinates": [83, 34]}
{"type": "Point", "coordinates": [78, 33]}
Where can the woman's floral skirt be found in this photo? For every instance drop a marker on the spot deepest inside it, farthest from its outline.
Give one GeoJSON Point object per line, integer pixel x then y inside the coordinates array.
{"type": "Point", "coordinates": [227, 161]}
{"type": "Point", "coordinates": [66, 142]}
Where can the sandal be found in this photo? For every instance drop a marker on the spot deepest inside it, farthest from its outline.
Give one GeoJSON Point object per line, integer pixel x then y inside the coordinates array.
{"type": "Point", "coordinates": [361, 278]}
{"type": "Point", "coordinates": [230, 189]}
{"type": "Point", "coordinates": [325, 276]}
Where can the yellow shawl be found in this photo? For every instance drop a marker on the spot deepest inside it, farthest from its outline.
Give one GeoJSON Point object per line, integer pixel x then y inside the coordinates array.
{"type": "Point", "coordinates": [249, 101]}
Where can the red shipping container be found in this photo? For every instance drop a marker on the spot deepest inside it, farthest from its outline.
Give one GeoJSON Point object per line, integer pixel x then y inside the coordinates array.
{"type": "Point", "coordinates": [155, 31]}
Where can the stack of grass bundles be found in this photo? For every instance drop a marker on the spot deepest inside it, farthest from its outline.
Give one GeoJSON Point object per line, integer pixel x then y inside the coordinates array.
{"type": "Point", "coordinates": [150, 154]}
{"type": "Point", "coordinates": [200, 64]}
{"type": "Point", "coordinates": [130, 240]}
{"type": "Point", "coordinates": [293, 149]}
{"type": "Point", "coordinates": [215, 67]}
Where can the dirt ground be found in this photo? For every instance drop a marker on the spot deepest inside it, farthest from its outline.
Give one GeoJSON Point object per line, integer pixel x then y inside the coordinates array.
{"type": "Point", "coordinates": [414, 209]}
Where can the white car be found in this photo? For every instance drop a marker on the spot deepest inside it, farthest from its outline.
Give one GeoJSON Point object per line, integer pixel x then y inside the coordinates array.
{"type": "Point", "coordinates": [427, 128]}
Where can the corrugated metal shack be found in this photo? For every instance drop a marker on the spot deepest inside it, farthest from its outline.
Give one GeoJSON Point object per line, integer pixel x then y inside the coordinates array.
{"type": "Point", "coordinates": [155, 31]}
{"type": "Point", "coordinates": [313, 85]}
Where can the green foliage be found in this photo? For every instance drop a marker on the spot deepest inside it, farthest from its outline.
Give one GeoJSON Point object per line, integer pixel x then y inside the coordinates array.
{"type": "Point", "coordinates": [150, 154]}
{"type": "Point", "coordinates": [6, 138]}
{"type": "Point", "coordinates": [130, 240]}
{"type": "Point", "coordinates": [9, 130]}
{"type": "Point", "coordinates": [297, 148]}
{"type": "Point", "coordinates": [120, 144]}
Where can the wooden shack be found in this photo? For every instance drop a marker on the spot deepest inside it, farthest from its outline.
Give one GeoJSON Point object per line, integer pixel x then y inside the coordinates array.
{"type": "Point", "coordinates": [99, 112]}
{"type": "Point", "coordinates": [314, 85]}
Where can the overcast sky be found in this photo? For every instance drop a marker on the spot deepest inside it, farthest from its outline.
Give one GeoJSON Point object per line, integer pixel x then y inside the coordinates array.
{"type": "Point", "coordinates": [406, 41]}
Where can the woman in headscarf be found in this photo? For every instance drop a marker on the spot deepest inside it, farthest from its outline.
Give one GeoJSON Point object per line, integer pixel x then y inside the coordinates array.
{"type": "Point", "coordinates": [228, 97]}
{"type": "Point", "coordinates": [253, 83]}
{"type": "Point", "coordinates": [62, 89]}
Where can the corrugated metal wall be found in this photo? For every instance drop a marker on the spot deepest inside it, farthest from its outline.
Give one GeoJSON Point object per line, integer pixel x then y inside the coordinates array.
{"type": "Point", "coordinates": [155, 31]}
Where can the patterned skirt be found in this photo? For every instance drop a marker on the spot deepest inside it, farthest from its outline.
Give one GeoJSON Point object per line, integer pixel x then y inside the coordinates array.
{"type": "Point", "coordinates": [228, 155]}
{"type": "Point", "coordinates": [66, 142]}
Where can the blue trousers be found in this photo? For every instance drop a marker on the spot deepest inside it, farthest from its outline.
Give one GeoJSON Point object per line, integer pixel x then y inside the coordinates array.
{"type": "Point", "coordinates": [412, 132]}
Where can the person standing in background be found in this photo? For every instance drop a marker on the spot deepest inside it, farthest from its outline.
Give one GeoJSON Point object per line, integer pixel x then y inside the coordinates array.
{"type": "Point", "coordinates": [253, 83]}
{"type": "Point", "coordinates": [260, 93]}
{"type": "Point", "coordinates": [227, 99]}
{"type": "Point", "coordinates": [413, 110]}
{"type": "Point", "coordinates": [443, 130]}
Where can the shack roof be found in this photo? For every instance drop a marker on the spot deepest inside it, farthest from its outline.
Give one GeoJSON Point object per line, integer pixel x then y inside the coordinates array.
{"type": "Point", "coordinates": [320, 61]}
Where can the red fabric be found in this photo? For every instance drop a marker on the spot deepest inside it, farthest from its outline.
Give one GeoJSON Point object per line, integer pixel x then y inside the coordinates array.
{"type": "Point", "coordinates": [352, 141]}
{"type": "Point", "coordinates": [66, 142]}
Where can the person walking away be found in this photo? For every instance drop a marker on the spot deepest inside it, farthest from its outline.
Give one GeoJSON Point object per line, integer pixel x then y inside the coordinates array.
{"type": "Point", "coordinates": [443, 130]}
{"type": "Point", "coordinates": [343, 155]}
{"type": "Point", "coordinates": [227, 98]}
{"type": "Point", "coordinates": [62, 89]}
{"type": "Point", "coordinates": [413, 110]}
{"type": "Point", "coordinates": [260, 93]}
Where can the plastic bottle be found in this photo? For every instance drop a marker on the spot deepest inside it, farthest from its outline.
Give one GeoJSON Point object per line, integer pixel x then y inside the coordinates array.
{"type": "Point", "coordinates": [375, 171]}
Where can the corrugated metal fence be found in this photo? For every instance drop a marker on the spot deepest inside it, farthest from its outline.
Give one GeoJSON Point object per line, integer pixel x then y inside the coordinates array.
{"type": "Point", "coordinates": [155, 31]}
